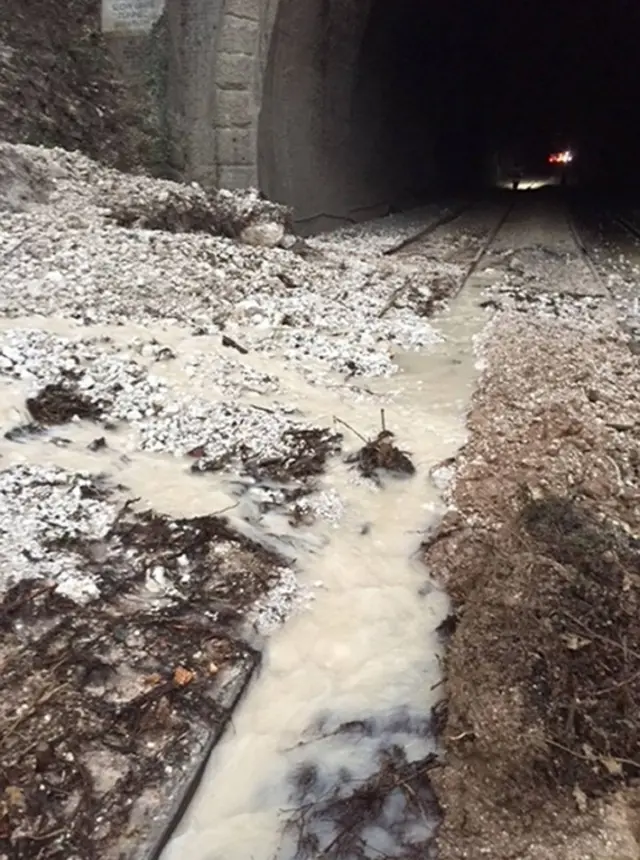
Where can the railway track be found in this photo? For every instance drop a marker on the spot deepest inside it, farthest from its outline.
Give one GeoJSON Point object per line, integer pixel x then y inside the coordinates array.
{"type": "Point", "coordinates": [627, 226]}
{"type": "Point", "coordinates": [482, 252]}
{"type": "Point", "coordinates": [483, 245]}
{"type": "Point", "coordinates": [583, 251]}
{"type": "Point", "coordinates": [447, 217]}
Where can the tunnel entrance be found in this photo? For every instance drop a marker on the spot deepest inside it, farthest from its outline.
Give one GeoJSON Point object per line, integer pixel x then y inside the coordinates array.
{"type": "Point", "coordinates": [368, 104]}
{"type": "Point", "coordinates": [357, 105]}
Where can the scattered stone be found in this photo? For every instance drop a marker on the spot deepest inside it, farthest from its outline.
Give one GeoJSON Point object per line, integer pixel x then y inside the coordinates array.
{"type": "Point", "coordinates": [307, 451]}
{"type": "Point", "coordinates": [69, 261]}
{"type": "Point", "coordinates": [178, 208]}
{"type": "Point", "coordinates": [97, 444]}
{"type": "Point", "coordinates": [268, 235]}
{"type": "Point", "coordinates": [104, 677]}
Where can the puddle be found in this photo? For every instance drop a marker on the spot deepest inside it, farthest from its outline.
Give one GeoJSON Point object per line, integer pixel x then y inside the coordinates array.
{"type": "Point", "coordinates": [366, 655]}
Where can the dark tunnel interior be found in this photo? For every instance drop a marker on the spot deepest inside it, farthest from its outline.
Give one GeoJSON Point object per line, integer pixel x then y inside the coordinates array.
{"type": "Point", "coordinates": [372, 103]}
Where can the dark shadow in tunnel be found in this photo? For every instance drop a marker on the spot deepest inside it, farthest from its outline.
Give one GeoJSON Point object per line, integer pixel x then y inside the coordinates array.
{"type": "Point", "coordinates": [371, 104]}
{"type": "Point", "coordinates": [352, 103]}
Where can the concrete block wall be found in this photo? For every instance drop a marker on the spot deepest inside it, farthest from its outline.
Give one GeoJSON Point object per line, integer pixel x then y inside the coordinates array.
{"type": "Point", "coordinates": [206, 83]}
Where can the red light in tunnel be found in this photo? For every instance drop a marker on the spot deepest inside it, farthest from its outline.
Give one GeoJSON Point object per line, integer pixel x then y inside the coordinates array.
{"type": "Point", "coordinates": [565, 157]}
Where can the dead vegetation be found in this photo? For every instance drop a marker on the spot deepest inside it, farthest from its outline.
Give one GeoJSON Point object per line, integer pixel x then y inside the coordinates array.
{"type": "Point", "coordinates": [59, 403]}
{"type": "Point", "coordinates": [586, 674]}
{"type": "Point", "coordinates": [381, 455]}
{"type": "Point", "coordinates": [109, 707]}
{"type": "Point", "coordinates": [179, 208]}
{"type": "Point", "coordinates": [308, 450]}
{"type": "Point", "coordinates": [58, 86]}
{"type": "Point", "coordinates": [389, 813]}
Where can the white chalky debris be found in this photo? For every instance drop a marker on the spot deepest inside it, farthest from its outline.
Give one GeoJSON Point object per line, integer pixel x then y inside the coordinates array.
{"type": "Point", "coordinates": [69, 259]}
{"type": "Point", "coordinates": [163, 420]}
{"type": "Point", "coordinates": [323, 315]}
{"type": "Point", "coordinates": [39, 505]}
{"type": "Point", "coordinates": [286, 597]}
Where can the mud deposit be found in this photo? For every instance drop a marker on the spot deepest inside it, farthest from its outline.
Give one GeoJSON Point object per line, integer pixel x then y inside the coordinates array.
{"type": "Point", "coordinates": [109, 704]}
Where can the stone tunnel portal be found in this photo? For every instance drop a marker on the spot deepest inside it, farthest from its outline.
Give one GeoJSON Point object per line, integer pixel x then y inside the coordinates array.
{"type": "Point", "coordinates": [343, 108]}
{"type": "Point", "coordinates": [353, 93]}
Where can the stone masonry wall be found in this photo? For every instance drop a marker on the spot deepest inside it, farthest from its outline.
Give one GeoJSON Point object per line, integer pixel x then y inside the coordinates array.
{"type": "Point", "coordinates": [237, 84]}
{"type": "Point", "coordinates": [204, 84]}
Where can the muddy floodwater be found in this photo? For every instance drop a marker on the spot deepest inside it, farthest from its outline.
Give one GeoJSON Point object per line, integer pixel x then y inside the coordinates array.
{"type": "Point", "coordinates": [355, 678]}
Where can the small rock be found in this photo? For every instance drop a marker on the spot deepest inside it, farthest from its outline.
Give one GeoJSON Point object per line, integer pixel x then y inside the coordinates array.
{"type": "Point", "coordinates": [265, 235]}
{"type": "Point", "coordinates": [97, 444]}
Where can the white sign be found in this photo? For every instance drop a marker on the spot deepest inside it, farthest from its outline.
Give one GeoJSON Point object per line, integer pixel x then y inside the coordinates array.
{"type": "Point", "coordinates": [130, 16]}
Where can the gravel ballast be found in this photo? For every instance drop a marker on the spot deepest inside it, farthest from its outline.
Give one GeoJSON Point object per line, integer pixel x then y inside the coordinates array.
{"type": "Point", "coordinates": [186, 342]}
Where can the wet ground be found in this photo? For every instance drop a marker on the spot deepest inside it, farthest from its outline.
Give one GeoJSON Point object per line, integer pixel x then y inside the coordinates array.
{"type": "Point", "coordinates": [219, 464]}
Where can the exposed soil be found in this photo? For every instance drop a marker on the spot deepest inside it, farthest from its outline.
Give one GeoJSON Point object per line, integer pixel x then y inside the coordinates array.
{"type": "Point", "coordinates": [58, 86]}
{"type": "Point", "coordinates": [542, 561]}
{"type": "Point", "coordinates": [108, 708]}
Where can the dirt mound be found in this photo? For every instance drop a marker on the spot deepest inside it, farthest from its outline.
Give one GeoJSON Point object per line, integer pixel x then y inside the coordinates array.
{"type": "Point", "coordinates": [58, 86]}
{"type": "Point", "coordinates": [308, 452]}
{"type": "Point", "coordinates": [556, 610]}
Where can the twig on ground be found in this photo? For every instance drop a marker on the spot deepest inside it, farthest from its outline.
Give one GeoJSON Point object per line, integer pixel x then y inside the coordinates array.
{"type": "Point", "coordinates": [229, 341]}
{"type": "Point", "coordinates": [349, 427]}
{"type": "Point", "coordinates": [394, 297]}
{"type": "Point", "coordinates": [599, 636]}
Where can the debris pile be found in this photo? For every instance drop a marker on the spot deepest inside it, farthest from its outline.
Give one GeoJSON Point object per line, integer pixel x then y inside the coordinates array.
{"type": "Point", "coordinates": [560, 670]}
{"type": "Point", "coordinates": [381, 455]}
{"type": "Point", "coordinates": [60, 403]}
{"type": "Point", "coordinates": [540, 554]}
{"type": "Point", "coordinates": [178, 208]}
{"type": "Point", "coordinates": [111, 694]}
{"type": "Point", "coordinates": [321, 313]}
{"type": "Point", "coordinates": [90, 379]}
